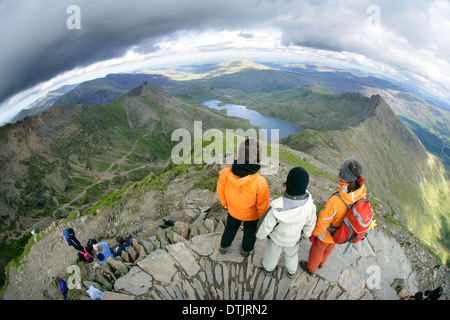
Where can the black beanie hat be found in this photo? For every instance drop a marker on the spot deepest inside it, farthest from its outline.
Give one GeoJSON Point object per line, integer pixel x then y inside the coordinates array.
{"type": "Point", "coordinates": [297, 182]}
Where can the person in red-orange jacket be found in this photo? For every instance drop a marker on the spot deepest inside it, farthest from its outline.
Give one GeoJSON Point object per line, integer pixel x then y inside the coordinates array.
{"type": "Point", "coordinates": [245, 194]}
{"type": "Point", "coordinates": [352, 189]}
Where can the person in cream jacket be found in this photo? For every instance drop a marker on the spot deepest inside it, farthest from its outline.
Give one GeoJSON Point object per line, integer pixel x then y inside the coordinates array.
{"type": "Point", "coordinates": [288, 219]}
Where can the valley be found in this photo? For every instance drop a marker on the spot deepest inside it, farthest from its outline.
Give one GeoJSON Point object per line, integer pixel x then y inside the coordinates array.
{"type": "Point", "coordinates": [102, 137]}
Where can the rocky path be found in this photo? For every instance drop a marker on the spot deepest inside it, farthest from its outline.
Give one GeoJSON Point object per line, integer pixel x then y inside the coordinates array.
{"type": "Point", "coordinates": [195, 269]}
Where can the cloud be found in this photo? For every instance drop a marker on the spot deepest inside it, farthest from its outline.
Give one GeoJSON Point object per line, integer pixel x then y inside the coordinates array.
{"type": "Point", "coordinates": [411, 39]}
{"type": "Point", "coordinates": [108, 29]}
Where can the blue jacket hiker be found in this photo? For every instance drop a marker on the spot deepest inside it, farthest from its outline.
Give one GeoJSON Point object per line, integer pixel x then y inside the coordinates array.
{"type": "Point", "coordinates": [103, 251]}
{"type": "Point", "coordinates": [69, 235]}
{"type": "Point", "coordinates": [123, 244]}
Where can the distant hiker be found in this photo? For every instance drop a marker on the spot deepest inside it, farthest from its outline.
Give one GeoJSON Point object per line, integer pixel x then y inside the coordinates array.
{"type": "Point", "coordinates": [83, 254]}
{"type": "Point", "coordinates": [63, 288]}
{"type": "Point", "coordinates": [245, 194]}
{"type": "Point", "coordinates": [352, 189]}
{"type": "Point", "coordinates": [123, 244]}
{"type": "Point", "coordinates": [128, 242]}
{"type": "Point", "coordinates": [90, 246]}
{"type": "Point", "coordinates": [69, 235]}
{"type": "Point", "coordinates": [288, 219]}
{"type": "Point", "coordinates": [103, 252]}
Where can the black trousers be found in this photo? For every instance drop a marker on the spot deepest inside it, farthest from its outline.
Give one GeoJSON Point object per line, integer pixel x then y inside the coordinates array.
{"type": "Point", "coordinates": [75, 243]}
{"type": "Point", "coordinates": [233, 224]}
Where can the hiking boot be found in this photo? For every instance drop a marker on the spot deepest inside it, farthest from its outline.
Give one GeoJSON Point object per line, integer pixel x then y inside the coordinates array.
{"type": "Point", "coordinates": [170, 223]}
{"type": "Point", "coordinates": [304, 266]}
{"type": "Point", "coordinates": [245, 254]}
{"type": "Point", "coordinates": [223, 250]}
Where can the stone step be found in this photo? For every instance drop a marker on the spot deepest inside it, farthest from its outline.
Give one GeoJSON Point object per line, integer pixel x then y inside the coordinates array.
{"type": "Point", "coordinates": [170, 268]}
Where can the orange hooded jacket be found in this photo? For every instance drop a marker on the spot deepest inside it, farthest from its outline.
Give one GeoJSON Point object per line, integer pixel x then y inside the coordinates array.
{"type": "Point", "coordinates": [334, 212]}
{"type": "Point", "coordinates": [246, 198]}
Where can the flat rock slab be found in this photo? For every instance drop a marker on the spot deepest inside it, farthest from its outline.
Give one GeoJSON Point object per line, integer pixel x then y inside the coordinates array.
{"type": "Point", "coordinates": [258, 252]}
{"type": "Point", "coordinates": [184, 257]}
{"type": "Point", "coordinates": [136, 282]}
{"type": "Point", "coordinates": [117, 296]}
{"type": "Point", "coordinates": [160, 265]}
{"type": "Point", "coordinates": [352, 282]}
{"type": "Point", "coordinates": [203, 244]}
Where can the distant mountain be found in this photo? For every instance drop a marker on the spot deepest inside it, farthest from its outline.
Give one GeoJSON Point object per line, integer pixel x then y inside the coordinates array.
{"type": "Point", "coordinates": [42, 104]}
{"type": "Point", "coordinates": [207, 71]}
{"type": "Point", "coordinates": [430, 123]}
{"type": "Point", "coordinates": [104, 90]}
{"type": "Point", "coordinates": [241, 76]}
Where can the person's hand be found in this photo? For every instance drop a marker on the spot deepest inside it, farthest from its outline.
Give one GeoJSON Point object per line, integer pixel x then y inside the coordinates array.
{"type": "Point", "coordinates": [312, 238]}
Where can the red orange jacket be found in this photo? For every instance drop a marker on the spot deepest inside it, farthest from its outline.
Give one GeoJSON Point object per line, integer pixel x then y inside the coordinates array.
{"type": "Point", "coordinates": [334, 212]}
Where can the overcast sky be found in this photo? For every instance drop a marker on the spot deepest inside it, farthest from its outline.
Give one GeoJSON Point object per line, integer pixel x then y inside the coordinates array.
{"type": "Point", "coordinates": [407, 39]}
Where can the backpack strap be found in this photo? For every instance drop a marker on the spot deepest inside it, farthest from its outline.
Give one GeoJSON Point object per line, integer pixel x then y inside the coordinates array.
{"type": "Point", "coordinates": [332, 229]}
{"type": "Point", "coordinates": [350, 242]}
{"type": "Point", "coordinates": [85, 253]}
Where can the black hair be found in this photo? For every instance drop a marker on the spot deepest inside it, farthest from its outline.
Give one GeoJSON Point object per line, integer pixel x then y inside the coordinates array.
{"type": "Point", "coordinates": [356, 169]}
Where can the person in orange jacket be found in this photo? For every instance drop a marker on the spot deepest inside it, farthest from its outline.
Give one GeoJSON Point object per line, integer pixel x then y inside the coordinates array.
{"type": "Point", "coordinates": [351, 190]}
{"type": "Point", "coordinates": [245, 194]}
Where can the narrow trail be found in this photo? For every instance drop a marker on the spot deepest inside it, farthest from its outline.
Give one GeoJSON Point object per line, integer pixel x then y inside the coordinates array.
{"type": "Point", "coordinates": [106, 174]}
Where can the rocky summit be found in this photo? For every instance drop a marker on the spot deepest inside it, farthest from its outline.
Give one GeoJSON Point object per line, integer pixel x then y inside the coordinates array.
{"type": "Point", "coordinates": [171, 267]}
{"type": "Point", "coordinates": [182, 261]}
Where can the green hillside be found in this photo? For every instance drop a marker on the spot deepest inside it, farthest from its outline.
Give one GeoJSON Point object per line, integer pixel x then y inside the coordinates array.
{"type": "Point", "coordinates": [69, 157]}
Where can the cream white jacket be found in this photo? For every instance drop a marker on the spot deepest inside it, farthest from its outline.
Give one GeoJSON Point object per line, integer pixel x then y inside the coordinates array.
{"type": "Point", "coordinates": [287, 220]}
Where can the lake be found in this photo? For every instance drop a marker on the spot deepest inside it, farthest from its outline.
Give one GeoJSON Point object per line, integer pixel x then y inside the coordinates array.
{"type": "Point", "coordinates": [255, 118]}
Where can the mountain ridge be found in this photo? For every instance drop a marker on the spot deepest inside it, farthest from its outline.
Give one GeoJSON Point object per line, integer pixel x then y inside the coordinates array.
{"type": "Point", "coordinates": [425, 119]}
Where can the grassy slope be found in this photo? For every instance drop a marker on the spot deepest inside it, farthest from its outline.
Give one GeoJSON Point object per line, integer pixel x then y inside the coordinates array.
{"type": "Point", "coordinates": [105, 147]}
{"type": "Point", "coordinates": [397, 168]}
